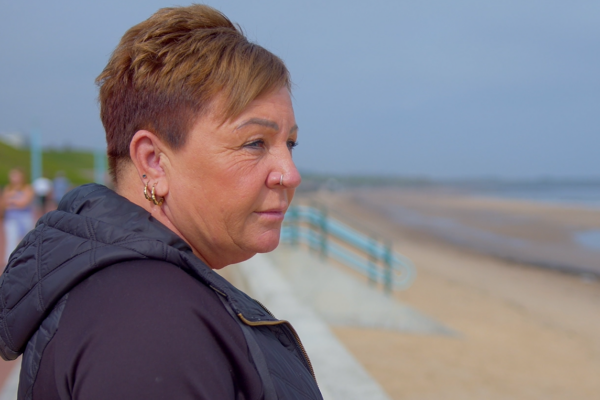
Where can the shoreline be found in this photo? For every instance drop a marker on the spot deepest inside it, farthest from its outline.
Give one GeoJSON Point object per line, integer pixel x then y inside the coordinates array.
{"type": "Point", "coordinates": [539, 234]}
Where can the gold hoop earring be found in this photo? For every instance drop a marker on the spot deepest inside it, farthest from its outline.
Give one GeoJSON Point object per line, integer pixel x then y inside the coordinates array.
{"type": "Point", "coordinates": [157, 202]}
{"type": "Point", "coordinates": [146, 195]}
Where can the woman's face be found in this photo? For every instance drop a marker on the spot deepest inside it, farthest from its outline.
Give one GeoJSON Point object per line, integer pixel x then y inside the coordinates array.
{"type": "Point", "coordinates": [225, 196]}
{"type": "Point", "coordinates": [15, 177]}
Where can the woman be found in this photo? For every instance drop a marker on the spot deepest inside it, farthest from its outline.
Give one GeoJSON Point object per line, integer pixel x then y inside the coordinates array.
{"type": "Point", "coordinates": [17, 199]}
{"type": "Point", "coordinates": [113, 296]}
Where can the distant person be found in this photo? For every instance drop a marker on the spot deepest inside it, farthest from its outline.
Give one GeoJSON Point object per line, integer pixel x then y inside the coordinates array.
{"type": "Point", "coordinates": [61, 186]}
{"type": "Point", "coordinates": [17, 199]}
{"type": "Point", "coordinates": [114, 295]}
{"type": "Point", "coordinates": [42, 187]}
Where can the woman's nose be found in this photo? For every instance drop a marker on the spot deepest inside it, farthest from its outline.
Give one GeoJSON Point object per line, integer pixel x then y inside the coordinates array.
{"type": "Point", "coordinates": [291, 177]}
{"type": "Point", "coordinates": [284, 174]}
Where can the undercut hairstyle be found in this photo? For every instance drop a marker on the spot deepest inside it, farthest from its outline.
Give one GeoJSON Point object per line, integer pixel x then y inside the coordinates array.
{"type": "Point", "coordinates": [170, 69]}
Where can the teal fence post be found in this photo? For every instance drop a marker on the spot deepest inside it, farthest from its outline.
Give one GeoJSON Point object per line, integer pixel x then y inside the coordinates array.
{"type": "Point", "coordinates": [323, 229]}
{"type": "Point", "coordinates": [311, 218]}
{"type": "Point", "coordinates": [373, 261]}
{"type": "Point", "coordinates": [368, 254]}
{"type": "Point", "coordinates": [387, 274]}
{"type": "Point", "coordinates": [293, 225]}
{"type": "Point", "coordinates": [36, 154]}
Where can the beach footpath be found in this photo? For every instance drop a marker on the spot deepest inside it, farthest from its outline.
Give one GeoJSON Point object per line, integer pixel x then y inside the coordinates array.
{"type": "Point", "coordinates": [9, 379]}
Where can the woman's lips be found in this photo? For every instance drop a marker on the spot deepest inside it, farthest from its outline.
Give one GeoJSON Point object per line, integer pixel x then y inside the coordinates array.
{"type": "Point", "coordinates": [272, 215]}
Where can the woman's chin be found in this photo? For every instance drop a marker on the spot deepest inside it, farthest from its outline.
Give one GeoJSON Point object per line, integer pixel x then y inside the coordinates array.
{"type": "Point", "coordinates": [267, 242]}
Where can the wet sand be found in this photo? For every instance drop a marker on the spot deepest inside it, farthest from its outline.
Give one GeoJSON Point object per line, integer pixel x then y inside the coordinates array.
{"type": "Point", "coordinates": [533, 233]}
{"type": "Point", "coordinates": [524, 332]}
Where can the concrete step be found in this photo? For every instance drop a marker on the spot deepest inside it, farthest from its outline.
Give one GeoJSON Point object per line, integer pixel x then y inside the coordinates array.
{"type": "Point", "coordinates": [341, 298]}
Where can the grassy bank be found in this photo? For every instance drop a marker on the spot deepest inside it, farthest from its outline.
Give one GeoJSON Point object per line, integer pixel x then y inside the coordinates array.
{"type": "Point", "coordinates": [78, 166]}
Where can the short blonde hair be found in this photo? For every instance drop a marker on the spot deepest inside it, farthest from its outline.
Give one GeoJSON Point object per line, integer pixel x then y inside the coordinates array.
{"type": "Point", "coordinates": [167, 69]}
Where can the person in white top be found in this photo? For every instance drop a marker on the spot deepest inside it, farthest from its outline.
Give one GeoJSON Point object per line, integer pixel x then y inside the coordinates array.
{"type": "Point", "coordinates": [42, 188]}
{"type": "Point", "coordinates": [18, 214]}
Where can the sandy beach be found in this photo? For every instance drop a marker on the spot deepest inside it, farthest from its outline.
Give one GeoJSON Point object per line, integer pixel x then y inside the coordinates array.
{"type": "Point", "coordinates": [523, 331]}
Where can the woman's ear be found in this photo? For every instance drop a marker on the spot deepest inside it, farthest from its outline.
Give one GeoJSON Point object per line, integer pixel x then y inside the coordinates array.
{"type": "Point", "coordinates": [147, 154]}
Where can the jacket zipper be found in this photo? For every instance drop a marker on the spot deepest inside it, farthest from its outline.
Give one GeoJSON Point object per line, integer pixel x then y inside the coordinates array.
{"type": "Point", "coordinates": [279, 322]}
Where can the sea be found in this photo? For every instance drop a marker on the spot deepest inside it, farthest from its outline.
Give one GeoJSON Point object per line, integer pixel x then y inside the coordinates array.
{"type": "Point", "coordinates": [571, 193]}
{"type": "Point", "coordinates": [581, 254]}
{"type": "Point", "coordinates": [575, 193]}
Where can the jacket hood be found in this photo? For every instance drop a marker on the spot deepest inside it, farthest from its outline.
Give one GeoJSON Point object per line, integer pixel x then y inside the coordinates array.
{"type": "Point", "coordinates": [92, 229]}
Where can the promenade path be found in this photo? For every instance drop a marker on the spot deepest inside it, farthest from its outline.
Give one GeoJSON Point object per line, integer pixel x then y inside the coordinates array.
{"type": "Point", "coordinates": [9, 379]}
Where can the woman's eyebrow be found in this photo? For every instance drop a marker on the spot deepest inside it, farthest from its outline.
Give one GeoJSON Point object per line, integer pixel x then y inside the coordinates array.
{"type": "Point", "coordinates": [259, 121]}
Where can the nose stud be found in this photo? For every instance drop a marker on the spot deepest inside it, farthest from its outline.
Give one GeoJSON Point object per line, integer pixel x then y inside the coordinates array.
{"type": "Point", "coordinates": [281, 180]}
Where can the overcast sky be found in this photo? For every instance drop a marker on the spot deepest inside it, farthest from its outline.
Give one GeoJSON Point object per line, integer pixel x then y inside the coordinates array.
{"type": "Point", "coordinates": [430, 88]}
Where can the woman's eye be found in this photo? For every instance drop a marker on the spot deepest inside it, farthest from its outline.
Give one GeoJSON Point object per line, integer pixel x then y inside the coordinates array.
{"type": "Point", "coordinates": [255, 144]}
{"type": "Point", "coordinates": [291, 144]}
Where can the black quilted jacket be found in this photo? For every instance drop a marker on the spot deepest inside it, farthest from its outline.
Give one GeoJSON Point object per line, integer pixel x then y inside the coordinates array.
{"type": "Point", "coordinates": [95, 228]}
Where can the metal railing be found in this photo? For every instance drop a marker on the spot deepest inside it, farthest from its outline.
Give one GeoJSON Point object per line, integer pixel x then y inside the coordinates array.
{"type": "Point", "coordinates": [365, 253]}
